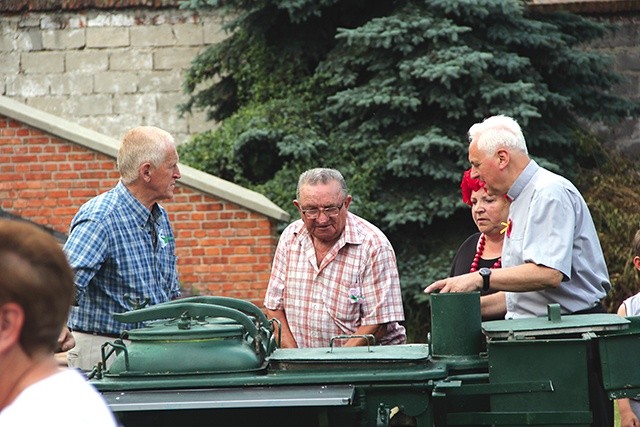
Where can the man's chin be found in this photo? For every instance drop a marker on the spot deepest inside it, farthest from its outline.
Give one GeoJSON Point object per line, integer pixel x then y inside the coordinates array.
{"type": "Point", "coordinates": [324, 235]}
{"type": "Point", "coordinates": [490, 189]}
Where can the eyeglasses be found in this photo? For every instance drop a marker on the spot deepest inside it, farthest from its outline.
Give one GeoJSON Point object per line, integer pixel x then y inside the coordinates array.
{"type": "Point", "coordinates": [331, 211]}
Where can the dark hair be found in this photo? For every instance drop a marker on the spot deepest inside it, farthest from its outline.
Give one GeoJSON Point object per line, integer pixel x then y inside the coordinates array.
{"type": "Point", "coordinates": [35, 275]}
{"type": "Point", "coordinates": [636, 244]}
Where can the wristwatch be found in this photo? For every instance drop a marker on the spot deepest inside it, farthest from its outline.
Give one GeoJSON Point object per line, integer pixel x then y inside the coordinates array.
{"type": "Point", "coordinates": [486, 274]}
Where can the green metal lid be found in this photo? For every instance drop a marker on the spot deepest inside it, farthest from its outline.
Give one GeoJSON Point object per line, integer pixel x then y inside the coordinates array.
{"type": "Point", "coordinates": [189, 337]}
{"type": "Point", "coordinates": [409, 353]}
{"type": "Point", "coordinates": [195, 329]}
{"type": "Point", "coordinates": [553, 324]}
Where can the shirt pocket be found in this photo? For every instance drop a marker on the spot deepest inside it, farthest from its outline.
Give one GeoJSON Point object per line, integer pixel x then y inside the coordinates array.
{"type": "Point", "coordinates": [338, 302]}
{"type": "Point", "coordinates": [167, 270]}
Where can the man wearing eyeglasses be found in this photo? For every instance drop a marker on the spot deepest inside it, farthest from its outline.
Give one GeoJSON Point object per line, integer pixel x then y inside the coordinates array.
{"type": "Point", "coordinates": [334, 274]}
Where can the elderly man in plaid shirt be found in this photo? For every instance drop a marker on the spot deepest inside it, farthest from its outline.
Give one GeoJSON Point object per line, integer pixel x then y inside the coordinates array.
{"type": "Point", "coordinates": [121, 245]}
{"type": "Point", "coordinates": [334, 274]}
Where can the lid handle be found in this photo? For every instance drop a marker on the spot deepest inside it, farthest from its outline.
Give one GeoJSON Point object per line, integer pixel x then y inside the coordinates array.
{"type": "Point", "coordinates": [187, 309]}
{"type": "Point", "coordinates": [238, 304]}
{"type": "Point", "coordinates": [553, 313]}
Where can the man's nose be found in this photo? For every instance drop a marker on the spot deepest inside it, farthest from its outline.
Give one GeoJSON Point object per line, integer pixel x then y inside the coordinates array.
{"type": "Point", "coordinates": [321, 214]}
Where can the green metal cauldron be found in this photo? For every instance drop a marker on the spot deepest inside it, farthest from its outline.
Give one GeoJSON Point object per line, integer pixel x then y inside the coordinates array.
{"type": "Point", "coordinates": [191, 336]}
{"type": "Point", "coordinates": [208, 360]}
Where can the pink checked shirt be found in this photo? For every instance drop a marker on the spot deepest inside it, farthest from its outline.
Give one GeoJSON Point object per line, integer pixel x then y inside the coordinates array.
{"type": "Point", "coordinates": [357, 284]}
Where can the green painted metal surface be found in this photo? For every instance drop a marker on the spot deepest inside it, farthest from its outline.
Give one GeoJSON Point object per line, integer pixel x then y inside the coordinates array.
{"type": "Point", "coordinates": [213, 360]}
{"type": "Point", "coordinates": [191, 337]}
{"type": "Point", "coordinates": [455, 324]}
{"type": "Point", "coordinates": [562, 362]}
{"type": "Point", "coordinates": [541, 326]}
{"type": "Point", "coordinates": [616, 352]}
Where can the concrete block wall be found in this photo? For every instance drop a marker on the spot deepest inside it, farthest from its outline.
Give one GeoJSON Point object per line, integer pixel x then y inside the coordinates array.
{"type": "Point", "coordinates": [112, 69]}
{"type": "Point", "coordinates": [222, 248]}
{"type": "Point", "coordinates": [624, 48]}
{"type": "Point", "coordinates": [107, 70]}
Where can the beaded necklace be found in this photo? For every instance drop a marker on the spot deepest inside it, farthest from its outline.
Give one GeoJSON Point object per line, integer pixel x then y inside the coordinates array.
{"type": "Point", "coordinates": [479, 251]}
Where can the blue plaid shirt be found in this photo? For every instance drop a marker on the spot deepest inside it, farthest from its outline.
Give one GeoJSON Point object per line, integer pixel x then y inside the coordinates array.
{"type": "Point", "coordinates": [111, 249]}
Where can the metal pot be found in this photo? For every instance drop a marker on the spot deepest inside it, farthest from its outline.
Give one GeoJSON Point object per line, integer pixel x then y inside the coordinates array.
{"type": "Point", "coordinates": [192, 336]}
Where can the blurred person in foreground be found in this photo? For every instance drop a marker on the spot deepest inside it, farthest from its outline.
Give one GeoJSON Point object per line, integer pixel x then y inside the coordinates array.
{"type": "Point", "coordinates": [121, 245]}
{"type": "Point", "coordinates": [484, 248]}
{"type": "Point", "coordinates": [36, 292]}
{"type": "Point", "coordinates": [333, 273]}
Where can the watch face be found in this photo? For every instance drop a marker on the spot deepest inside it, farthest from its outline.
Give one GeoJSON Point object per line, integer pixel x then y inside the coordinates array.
{"type": "Point", "coordinates": [484, 271]}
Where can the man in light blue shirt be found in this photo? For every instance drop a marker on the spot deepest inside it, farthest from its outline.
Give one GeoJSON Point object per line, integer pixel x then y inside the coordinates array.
{"type": "Point", "coordinates": [121, 245]}
{"type": "Point", "coordinates": [551, 226]}
{"type": "Point", "coordinates": [551, 252]}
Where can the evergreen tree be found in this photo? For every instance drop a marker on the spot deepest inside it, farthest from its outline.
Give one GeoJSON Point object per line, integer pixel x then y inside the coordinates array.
{"type": "Point", "coordinates": [385, 91]}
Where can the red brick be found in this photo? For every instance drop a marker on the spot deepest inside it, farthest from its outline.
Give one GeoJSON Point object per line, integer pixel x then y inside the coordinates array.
{"type": "Point", "coordinates": [222, 248]}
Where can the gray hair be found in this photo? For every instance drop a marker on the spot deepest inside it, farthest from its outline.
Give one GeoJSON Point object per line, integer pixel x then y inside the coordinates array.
{"type": "Point", "coordinates": [496, 132]}
{"type": "Point", "coordinates": [139, 145]}
{"type": "Point", "coordinates": [321, 176]}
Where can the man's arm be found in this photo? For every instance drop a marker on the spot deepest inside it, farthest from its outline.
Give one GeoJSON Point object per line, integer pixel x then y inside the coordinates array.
{"type": "Point", "coordinates": [521, 278]}
{"type": "Point", "coordinates": [627, 416]}
{"type": "Point", "coordinates": [286, 337]}
{"type": "Point", "coordinates": [374, 330]}
{"type": "Point", "coordinates": [381, 304]}
{"type": "Point", "coordinates": [86, 249]}
{"type": "Point", "coordinates": [493, 306]}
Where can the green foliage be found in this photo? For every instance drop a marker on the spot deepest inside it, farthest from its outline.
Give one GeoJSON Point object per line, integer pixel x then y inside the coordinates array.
{"type": "Point", "coordinates": [385, 91]}
{"type": "Point", "coordinates": [609, 192]}
{"type": "Point", "coordinates": [417, 271]}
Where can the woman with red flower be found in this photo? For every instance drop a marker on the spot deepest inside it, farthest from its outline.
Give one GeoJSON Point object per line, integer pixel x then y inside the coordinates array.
{"type": "Point", "coordinates": [484, 248]}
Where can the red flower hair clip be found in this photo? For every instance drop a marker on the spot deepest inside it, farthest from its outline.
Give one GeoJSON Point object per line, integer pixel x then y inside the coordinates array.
{"type": "Point", "coordinates": [469, 185]}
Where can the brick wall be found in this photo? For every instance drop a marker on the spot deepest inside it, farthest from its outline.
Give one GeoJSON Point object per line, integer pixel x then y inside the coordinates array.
{"type": "Point", "coordinates": [222, 248]}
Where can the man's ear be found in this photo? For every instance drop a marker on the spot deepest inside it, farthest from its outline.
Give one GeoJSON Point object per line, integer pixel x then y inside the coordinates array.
{"type": "Point", "coordinates": [636, 262]}
{"type": "Point", "coordinates": [145, 171]}
{"type": "Point", "coordinates": [347, 201]}
{"type": "Point", "coordinates": [503, 158]}
{"type": "Point", "coordinates": [11, 322]}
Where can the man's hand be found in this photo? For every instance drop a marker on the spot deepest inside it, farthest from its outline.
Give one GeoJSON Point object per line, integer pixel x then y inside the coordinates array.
{"type": "Point", "coordinates": [465, 283]}
{"type": "Point", "coordinates": [287, 339]}
{"type": "Point", "coordinates": [65, 341]}
{"type": "Point", "coordinates": [377, 331]}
